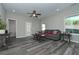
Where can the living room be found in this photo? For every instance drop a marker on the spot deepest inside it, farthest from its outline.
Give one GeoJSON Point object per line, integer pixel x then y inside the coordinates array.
{"type": "Point", "coordinates": [51, 16]}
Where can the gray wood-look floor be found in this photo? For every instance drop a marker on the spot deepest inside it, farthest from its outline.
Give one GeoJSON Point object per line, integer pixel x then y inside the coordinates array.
{"type": "Point", "coordinates": [28, 46]}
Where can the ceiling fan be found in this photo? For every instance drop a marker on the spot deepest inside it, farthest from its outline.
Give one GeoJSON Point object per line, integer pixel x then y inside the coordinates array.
{"type": "Point", "coordinates": [34, 14]}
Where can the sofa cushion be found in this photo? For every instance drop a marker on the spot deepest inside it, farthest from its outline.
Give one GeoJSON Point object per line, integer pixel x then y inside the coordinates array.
{"type": "Point", "coordinates": [55, 32]}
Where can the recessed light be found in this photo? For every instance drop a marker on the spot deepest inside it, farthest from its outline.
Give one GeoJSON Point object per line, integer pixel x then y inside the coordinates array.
{"type": "Point", "coordinates": [13, 10]}
{"type": "Point", "coordinates": [57, 9]}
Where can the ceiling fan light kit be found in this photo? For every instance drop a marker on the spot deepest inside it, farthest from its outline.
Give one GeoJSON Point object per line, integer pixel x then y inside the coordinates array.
{"type": "Point", "coordinates": [34, 14]}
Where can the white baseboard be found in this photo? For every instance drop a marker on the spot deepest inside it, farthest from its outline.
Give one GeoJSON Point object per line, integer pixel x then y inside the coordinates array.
{"type": "Point", "coordinates": [74, 41]}
{"type": "Point", "coordinates": [22, 36]}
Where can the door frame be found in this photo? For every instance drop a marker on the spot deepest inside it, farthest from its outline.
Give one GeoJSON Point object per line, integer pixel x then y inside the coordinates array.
{"type": "Point", "coordinates": [8, 24]}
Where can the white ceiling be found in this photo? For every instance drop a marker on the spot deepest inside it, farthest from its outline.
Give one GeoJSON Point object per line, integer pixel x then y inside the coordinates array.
{"type": "Point", "coordinates": [43, 8]}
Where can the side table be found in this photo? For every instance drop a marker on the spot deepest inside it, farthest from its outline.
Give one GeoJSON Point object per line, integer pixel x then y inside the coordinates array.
{"type": "Point", "coordinates": [4, 39]}
{"type": "Point", "coordinates": [66, 36]}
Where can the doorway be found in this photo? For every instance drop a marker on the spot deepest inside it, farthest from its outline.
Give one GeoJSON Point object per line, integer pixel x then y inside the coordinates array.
{"type": "Point", "coordinates": [12, 28]}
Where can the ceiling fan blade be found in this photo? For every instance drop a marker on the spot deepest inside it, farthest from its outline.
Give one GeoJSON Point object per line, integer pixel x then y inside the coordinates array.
{"type": "Point", "coordinates": [34, 14]}
{"type": "Point", "coordinates": [38, 14]}
{"type": "Point", "coordinates": [29, 13]}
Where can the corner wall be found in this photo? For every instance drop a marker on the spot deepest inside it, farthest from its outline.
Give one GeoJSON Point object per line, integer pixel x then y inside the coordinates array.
{"type": "Point", "coordinates": [20, 23]}
{"type": "Point", "coordinates": [57, 21]}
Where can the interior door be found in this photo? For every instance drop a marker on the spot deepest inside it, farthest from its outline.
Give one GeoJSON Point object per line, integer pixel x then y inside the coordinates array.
{"type": "Point", "coordinates": [12, 28]}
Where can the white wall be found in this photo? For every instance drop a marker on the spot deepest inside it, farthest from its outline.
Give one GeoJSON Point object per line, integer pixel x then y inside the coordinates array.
{"type": "Point", "coordinates": [20, 23]}
{"type": "Point", "coordinates": [2, 12]}
{"type": "Point", "coordinates": [57, 21]}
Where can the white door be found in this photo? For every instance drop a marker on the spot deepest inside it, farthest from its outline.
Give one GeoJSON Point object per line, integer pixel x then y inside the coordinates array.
{"type": "Point", "coordinates": [28, 28]}
{"type": "Point", "coordinates": [12, 28]}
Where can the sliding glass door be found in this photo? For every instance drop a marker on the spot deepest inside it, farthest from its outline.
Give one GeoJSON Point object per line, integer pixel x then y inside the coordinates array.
{"type": "Point", "coordinates": [72, 24]}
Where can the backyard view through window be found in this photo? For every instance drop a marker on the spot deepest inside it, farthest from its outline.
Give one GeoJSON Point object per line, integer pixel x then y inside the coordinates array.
{"type": "Point", "coordinates": [72, 24]}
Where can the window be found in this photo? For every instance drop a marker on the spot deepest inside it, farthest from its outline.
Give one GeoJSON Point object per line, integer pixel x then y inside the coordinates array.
{"type": "Point", "coordinates": [43, 27]}
{"type": "Point", "coordinates": [28, 28]}
{"type": "Point", "coordinates": [72, 24]}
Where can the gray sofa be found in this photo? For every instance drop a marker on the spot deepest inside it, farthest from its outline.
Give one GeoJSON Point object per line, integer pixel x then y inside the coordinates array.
{"type": "Point", "coordinates": [52, 34]}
